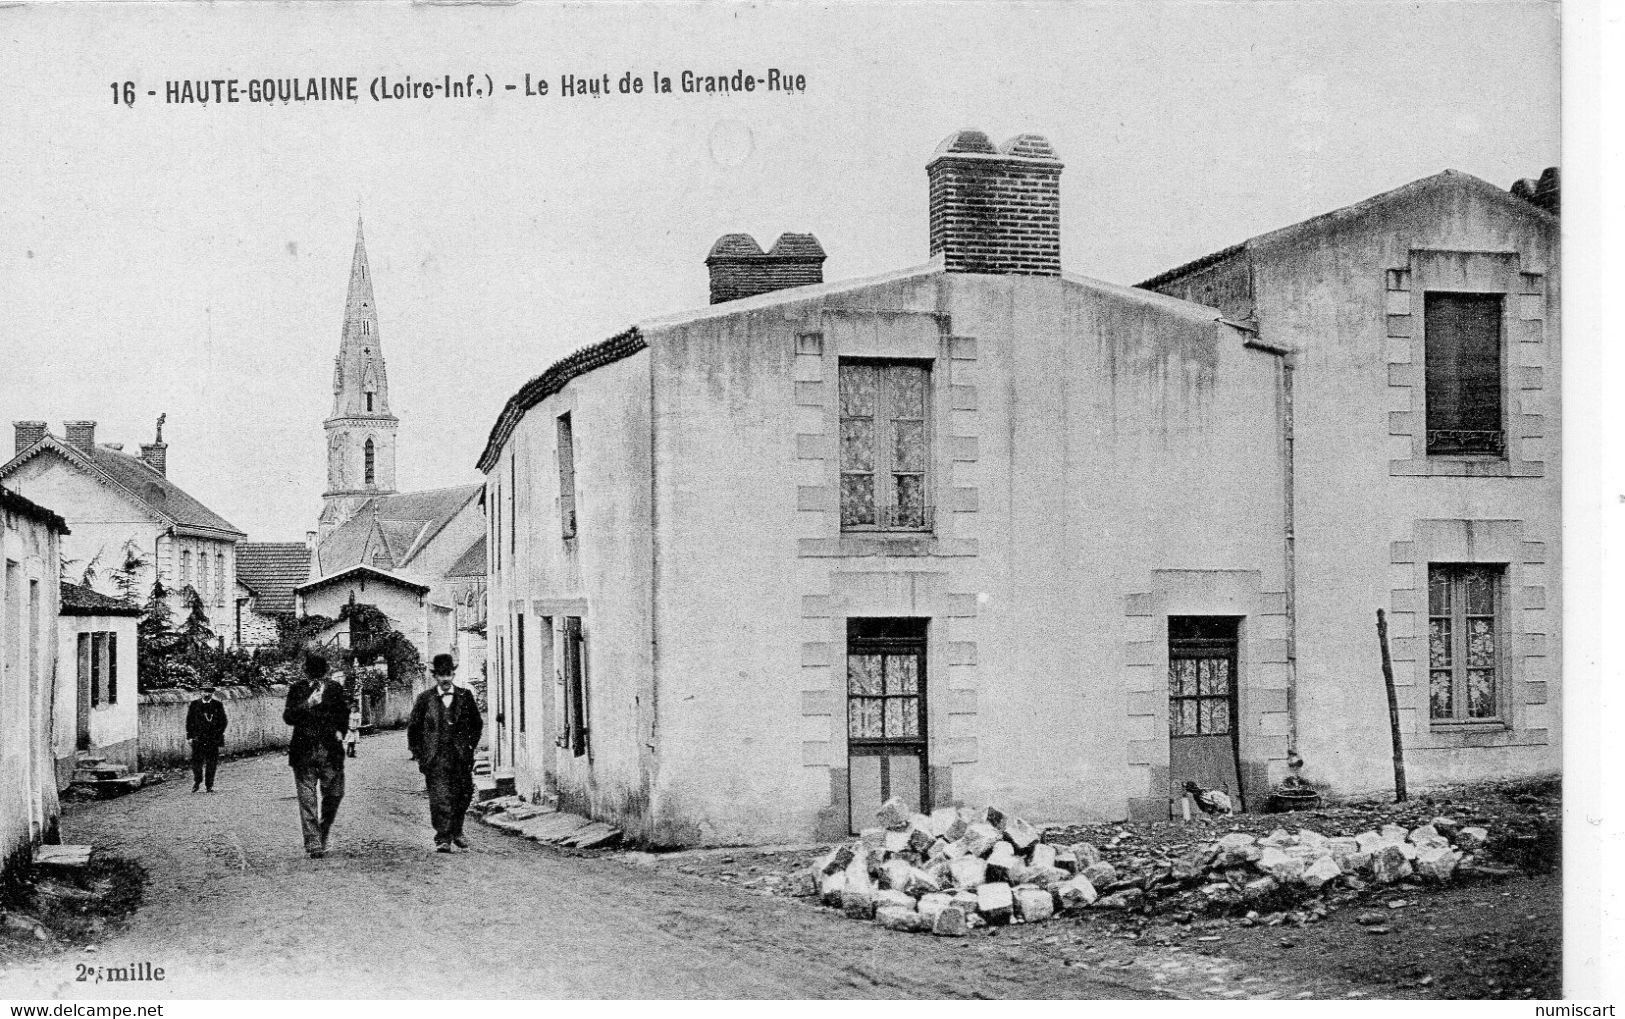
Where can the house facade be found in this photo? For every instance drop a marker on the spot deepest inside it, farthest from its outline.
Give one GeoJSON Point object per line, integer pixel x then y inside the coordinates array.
{"type": "Point", "coordinates": [97, 712]}
{"type": "Point", "coordinates": [267, 574]}
{"type": "Point", "coordinates": [1426, 354]}
{"type": "Point", "coordinates": [984, 531]}
{"type": "Point", "coordinates": [118, 503]}
{"type": "Point", "coordinates": [30, 550]}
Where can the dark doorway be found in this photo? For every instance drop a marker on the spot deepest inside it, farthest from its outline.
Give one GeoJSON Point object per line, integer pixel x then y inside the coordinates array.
{"type": "Point", "coordinates": [885, 716]}
{"type": "Point", "coordinates": [1203, 742]}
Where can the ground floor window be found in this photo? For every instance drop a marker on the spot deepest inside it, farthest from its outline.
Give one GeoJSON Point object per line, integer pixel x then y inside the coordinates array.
{"type": "Point", "coordinates": [1463, 641]}
{"type": "Point", "coordinates": [577, 732]}
{"type": "Point", "coordinates": [98, 666]}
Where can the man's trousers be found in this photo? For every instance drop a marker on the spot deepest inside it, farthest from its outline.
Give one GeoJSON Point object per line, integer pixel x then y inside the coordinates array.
{"type": "Point", "coordinates": [451, 789]}
{"type": "Point", "coordinates": [320, 785]}
{"type": "Point", "coordinates": [205, 757]}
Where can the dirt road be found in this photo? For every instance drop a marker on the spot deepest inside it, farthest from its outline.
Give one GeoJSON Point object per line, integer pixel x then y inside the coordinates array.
{"type": "Point", "coordinates": [235, 909]}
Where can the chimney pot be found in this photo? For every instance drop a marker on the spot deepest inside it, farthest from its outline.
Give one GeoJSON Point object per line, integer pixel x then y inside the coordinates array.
{"type": "Point", "coordinates": [739, 268]}
{"type": "Point", "coordinates": [81, 434]}
{"type": "Point", "coordinates": [27, 433]}
{"type": "Point", "coordinates": [996, 210]}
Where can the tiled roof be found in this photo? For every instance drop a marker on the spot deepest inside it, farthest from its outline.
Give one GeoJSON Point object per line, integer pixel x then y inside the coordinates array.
{"type": "Point", "coordinates": [472, 562]}
{"type": "Point", "coordinates": [82, 601]}
{"type": "Point", "coordinates": [395, 527]}
{"type": "Point", "coordinates": [272, 569]}
{"type": "Point", "coordinates": [551, 381]}
{"type": "Point", "coordinates": [393, 578]}
{"type": "Point", "coordinates": [1347, 212]}
{"type": "Point", "coordinates": [15, 503]}
{"type": "Point", "coordinates": [140, 482]}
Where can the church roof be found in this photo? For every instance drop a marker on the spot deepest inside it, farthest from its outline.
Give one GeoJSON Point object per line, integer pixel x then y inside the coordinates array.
{"type": "Point", "coordinates": [272, 569]}
{"type": "Point", "coordinates": [391, 529]}
{"type": "Point", "coordinates": [472, 562]}
{"type": "Point", "coordinates": [136, 480]}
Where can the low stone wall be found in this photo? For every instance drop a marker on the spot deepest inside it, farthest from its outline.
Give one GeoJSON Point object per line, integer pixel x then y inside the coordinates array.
{"type": "Point", "coordinates": [253, 721]}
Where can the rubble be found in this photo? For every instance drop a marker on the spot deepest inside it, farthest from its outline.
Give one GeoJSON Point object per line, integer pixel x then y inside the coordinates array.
{"type": "Point", "coordinates": [957, 869]}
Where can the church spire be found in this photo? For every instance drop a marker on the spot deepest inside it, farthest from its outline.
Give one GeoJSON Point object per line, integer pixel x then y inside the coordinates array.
{"type": "Point", "coordinates": [361, 430]}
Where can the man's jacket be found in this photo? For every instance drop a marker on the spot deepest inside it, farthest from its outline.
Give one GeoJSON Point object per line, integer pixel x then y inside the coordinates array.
{"type": "Point", "coordinates": [317, 728]}
{"type": "Point", "coordinates": [206, 723]}
{"type": "Point", "coordinates": [442, 737]}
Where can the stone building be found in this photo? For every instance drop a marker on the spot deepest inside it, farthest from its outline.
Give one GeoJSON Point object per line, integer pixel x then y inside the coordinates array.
{"type": "Point", "coordinates": [985, 531]}
{"type": "Point", "coordinates": [30, 550]}
{"type": "Point", "coordinates": [1423, 325]}
{"type": "Point", "coordinates": [96, 708]}
{"type": "Point", "coordinates": [115, 501]}
{"type": "Point", "coordinates": [267, 573]}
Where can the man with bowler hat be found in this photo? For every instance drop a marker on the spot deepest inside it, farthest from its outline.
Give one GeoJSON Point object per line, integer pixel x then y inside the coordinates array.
{"type": "Point", "coordinates": [443, 735]}
{"type": "Point", "coordinates": [319, 711]}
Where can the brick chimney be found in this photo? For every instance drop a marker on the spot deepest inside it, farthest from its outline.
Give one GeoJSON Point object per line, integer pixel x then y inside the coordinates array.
{"type": "Point", "coordinates": [81, 434]}
{"type": "Point", "coordinates": [156, 456]}
{"type": "Point", "coordinates": [740, 269]}
{"type": "Point", "coordinates": [996, 210]}
{"type": "Point", "coordinates": [28, 433]}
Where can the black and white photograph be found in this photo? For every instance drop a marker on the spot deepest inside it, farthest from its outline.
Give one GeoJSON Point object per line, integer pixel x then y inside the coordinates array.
{"type": "Point", "coordinates": [794, 500]}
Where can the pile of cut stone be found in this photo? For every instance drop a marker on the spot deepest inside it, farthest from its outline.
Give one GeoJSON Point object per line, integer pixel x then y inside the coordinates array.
{"type": "Point", "coordinates": [1241, 868]}
{"type": "Point", "coordinates": [956, 869]}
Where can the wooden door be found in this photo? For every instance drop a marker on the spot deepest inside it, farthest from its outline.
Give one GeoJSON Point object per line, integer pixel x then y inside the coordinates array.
{"type": "Point", "coordinates": [1202, 732]}
{"type": "Point", "coordinates": [886, 717]}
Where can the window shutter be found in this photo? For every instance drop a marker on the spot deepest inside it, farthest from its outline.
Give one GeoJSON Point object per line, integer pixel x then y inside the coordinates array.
{"type": "Point", "coordinates": [1463, 339]}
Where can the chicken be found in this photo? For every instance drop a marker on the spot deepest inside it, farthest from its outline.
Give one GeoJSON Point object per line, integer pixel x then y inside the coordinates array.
{"type": "Point", "coordinates": [1210, 801]}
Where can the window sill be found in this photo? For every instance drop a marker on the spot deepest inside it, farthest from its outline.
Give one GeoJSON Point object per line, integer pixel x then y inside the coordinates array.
{"type": "Point", "coordinates": [1468, 725]}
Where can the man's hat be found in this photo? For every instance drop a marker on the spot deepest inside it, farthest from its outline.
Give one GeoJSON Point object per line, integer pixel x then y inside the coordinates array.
{"type": "Point", "coordinates": [208, 688]}
{"type": "Point", "coordinates": [444, 665]}
{"type": "Point", "coordinates": [315, 666]}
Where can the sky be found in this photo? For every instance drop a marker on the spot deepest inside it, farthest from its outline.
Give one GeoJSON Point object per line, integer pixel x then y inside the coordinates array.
{"type": "Point", "coordinates": [191, 260]}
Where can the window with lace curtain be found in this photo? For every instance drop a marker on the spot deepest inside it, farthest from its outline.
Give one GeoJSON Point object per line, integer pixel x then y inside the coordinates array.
{"type": "Point", "coordinates": [1464, 642]}
{"type": "Point", "coordinates": [885, 445]}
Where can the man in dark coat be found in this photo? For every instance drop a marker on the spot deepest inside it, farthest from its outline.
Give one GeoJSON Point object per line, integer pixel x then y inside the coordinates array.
{"type": "Point", "coordinates": [443, 735]}
{"type": "Point", "coordinates": [319, 711]}
{"type": "Point", "coordinates": [206, 728]}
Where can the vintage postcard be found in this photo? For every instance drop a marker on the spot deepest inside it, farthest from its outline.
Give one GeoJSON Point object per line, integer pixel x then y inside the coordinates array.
{"type": "Point", "coordinates": [784, 500]}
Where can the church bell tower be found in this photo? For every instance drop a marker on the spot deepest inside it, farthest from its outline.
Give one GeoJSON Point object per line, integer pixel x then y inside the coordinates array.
{"type": "Point", "coordinates": [360, 430]}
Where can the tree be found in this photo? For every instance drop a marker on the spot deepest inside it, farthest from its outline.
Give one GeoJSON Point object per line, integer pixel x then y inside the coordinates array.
{"type": "Point", "coordinates": [156, 641]}
{"type": "Point", "coordinates": [195, 633]}
{"type": "Point", "coordinates": [127, 577]}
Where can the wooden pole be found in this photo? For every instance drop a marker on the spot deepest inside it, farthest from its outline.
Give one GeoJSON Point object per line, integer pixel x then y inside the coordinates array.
{"type": "Point", "coordinates": [1393, 708]}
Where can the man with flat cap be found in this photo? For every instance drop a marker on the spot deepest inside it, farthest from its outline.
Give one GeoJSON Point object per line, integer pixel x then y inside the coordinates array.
{"type": "Point", "coordinates": [442, 736]}
{"type": "Point", "coordinates": [319, 711]}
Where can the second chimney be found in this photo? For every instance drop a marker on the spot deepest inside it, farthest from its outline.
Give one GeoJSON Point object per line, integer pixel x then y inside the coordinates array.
{"type": "Point", "coordinates": [996, 210]}
{"type": "Point", "coordinates": [27, 433]}
{"type": "Point", "coordinates": [156, 456]}
{"type": "Point", "coordinates": [81, 434]}
{"type": "Point", "coordinates": [739, 268]}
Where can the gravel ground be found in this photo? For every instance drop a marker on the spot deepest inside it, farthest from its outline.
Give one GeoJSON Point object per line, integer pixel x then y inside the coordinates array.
{"type": "Point", "coordinates": [233, 908]}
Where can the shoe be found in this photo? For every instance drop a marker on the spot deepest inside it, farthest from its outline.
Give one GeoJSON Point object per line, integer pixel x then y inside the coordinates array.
{"type": "Point", "coordinates": [442, 847]}
{"type": "Point", "coordinates": [197, 788]}
{"type": "Point", "coordinates": [459, 842]}
{"type": "Point", "coordinates": [315, 854]}
{"type": "Point", "coordinates": [209, 790]}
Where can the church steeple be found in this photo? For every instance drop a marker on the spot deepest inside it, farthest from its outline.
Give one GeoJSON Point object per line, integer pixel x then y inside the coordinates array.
{"type": "Point", "coordinates": [360, 430]}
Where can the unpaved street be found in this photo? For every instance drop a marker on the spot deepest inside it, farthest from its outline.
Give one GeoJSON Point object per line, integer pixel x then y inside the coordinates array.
{"type": "Point", "coordinates": [235, 909]}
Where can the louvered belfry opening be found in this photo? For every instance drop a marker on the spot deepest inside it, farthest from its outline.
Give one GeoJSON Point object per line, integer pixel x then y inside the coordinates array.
{"type": "Point", "coordinates": [1464, 374]}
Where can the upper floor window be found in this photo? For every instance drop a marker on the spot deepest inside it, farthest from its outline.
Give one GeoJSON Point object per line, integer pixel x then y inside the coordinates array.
{"type": "Point", "coordinates": [220, 578]}
{"type": "Point", "coordinates": [567, 477]}
{"type": "Point", "coordinates": [369, 457]}
{"type": "Point", "coordinates": [1464, 372]}
{"type": "Point", "coordinates": [885, 445]}
{"type": "Point", "coordinates": [186, 567]}
{"type": "Point", "coordinates": [1463, 645]}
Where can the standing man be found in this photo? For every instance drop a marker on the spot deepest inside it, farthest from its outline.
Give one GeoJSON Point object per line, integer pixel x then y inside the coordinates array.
{"type": "Point", "coordinates": [206, 728]}
{"type": "Point", "coordinates": [443, 735]}
{"type": "Point", "coordinates": [319, 712]}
